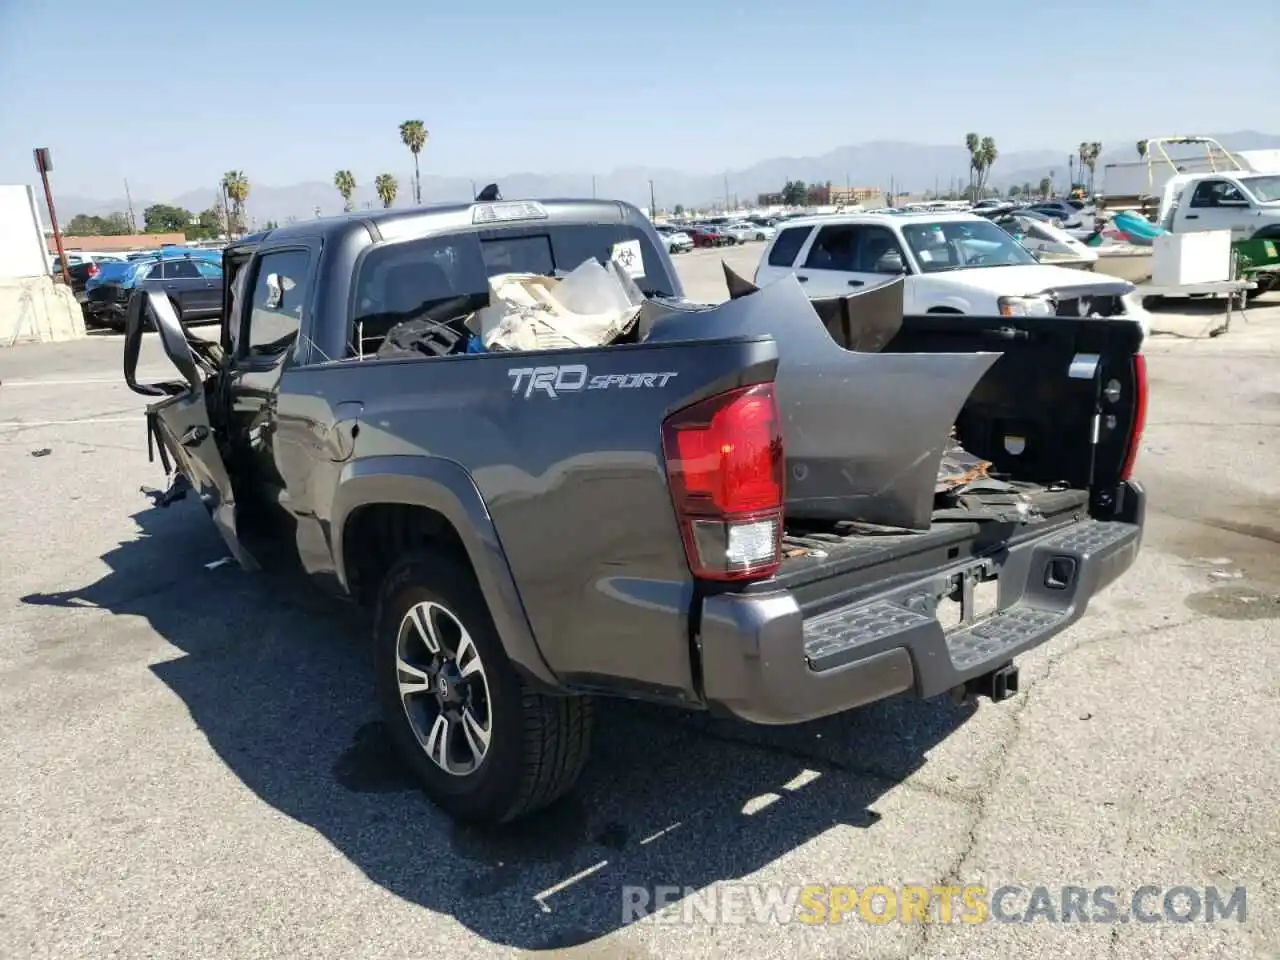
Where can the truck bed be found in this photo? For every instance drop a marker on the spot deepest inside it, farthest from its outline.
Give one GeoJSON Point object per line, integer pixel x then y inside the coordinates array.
{"type": "Point", "coordinates": [837, 561]}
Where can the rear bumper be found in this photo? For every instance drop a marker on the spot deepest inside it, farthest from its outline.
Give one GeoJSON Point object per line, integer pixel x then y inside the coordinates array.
{"type": "Point", "coordinates": [764, 662]}
{"type": "Point", "coordinates": [101, 304]}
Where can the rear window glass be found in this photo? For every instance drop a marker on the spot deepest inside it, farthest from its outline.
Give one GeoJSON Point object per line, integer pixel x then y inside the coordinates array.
{"type": "Point", "coordinates": [518, 255]}
{"type": "Point", "coordinates": [448, 276]}
{"type": "Point", "coordinates": [787, 246]}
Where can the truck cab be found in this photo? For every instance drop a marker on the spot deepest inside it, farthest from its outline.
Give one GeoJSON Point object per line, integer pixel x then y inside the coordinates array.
{"type": "Point", "coordinates": [1246, 203]}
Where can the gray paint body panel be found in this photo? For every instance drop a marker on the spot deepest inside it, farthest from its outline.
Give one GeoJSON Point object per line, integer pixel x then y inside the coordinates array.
{"type": "Point", "coordinates": [565, 496]}
{"type": "Point", "coordinates": [864, 432]}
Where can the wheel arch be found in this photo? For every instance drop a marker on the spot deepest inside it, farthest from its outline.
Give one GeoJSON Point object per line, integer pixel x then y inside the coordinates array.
{"type": "Point", "coordinates": [386, 503]}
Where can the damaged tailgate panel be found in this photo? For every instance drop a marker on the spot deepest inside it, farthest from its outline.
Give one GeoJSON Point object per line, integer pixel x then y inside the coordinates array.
{"type": "Point", "coordinates": [864, 432]}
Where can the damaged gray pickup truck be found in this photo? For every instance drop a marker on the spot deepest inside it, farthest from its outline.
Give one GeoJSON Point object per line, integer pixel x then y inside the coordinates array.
{"type": "Point", "coordinates": [773, 508]}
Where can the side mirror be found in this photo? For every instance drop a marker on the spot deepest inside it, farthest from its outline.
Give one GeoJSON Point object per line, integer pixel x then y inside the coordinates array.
{"type": "Point", "coordinates": [148, 305]}
{"type": "Point", "coordinates": [173, 338]}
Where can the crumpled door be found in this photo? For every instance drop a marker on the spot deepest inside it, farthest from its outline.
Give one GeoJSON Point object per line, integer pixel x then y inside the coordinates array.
{"type": "Point", "coordinates": [181, 425]}
{"type": "Point", "coordinates": [179, 422]}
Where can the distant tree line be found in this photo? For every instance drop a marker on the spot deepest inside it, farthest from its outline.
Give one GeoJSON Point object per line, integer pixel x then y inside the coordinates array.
{"type": "Point", "coordinates": [157, 218]}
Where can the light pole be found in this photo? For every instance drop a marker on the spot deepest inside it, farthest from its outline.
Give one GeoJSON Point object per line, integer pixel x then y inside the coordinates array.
{"type": "Point", "coordinates": [44, 163]}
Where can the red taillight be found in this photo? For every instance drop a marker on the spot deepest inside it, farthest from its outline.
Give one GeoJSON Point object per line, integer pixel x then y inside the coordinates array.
{"type": "Point", "coordinates": [726, 470]}
{"type": "Point", "coordinates": [1139, 415]}
{"type": "Point", "coordinates": [92, 271]}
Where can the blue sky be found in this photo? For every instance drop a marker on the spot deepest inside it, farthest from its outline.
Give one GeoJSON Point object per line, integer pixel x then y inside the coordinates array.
{"type": "Point", "coordinates": [290, 91]}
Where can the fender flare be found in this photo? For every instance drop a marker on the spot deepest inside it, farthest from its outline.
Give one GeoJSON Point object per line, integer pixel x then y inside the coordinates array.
{"type": "Point", "coordinates": [447, 488]}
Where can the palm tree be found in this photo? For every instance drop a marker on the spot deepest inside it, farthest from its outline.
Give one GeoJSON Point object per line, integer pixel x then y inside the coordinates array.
{"type": "Point", "coordinates": [972, 143]}
{"type": "Point", "coordinates": [414, 136]}
{"type": "Point", "coordinates": [386, 185]}
{"type": "Point", "coordinates": [345, 181]}
{"type": "Point", "coordinates": [1091, 154]}
{"type": "Point", "coordinates": [1046, 186]}
{"type": "Point", "coordinates": [236, 186]}
{"type": "Point", "coordinates": [987, 155]}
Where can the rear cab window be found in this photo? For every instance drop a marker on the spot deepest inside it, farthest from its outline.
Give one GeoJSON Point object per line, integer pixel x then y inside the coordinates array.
{"type": "Point", "coordinates": [786, 246]}
{"type": "Point", "coordinates": [446, 277]}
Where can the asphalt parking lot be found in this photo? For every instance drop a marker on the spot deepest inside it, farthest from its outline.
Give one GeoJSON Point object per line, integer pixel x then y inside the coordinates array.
{"type": "Point", "coordinates": [191, 763]}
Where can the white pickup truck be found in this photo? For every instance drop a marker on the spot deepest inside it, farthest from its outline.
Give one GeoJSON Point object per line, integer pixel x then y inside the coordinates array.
{"type": "Point", "coordinates": [1246, 203]}
{"type": "Point", "coordinates": [954, 263]}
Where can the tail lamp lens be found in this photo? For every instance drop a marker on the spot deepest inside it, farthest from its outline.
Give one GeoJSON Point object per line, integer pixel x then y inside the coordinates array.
{"type": "Point", "coordinates": [725, 466]}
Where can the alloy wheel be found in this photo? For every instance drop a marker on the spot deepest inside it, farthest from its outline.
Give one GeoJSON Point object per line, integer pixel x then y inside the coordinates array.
{"type": "Point", "coordinates": [443, 688]}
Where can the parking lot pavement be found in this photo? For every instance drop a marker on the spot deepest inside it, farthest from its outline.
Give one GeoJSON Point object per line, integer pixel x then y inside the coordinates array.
{"type": "Point", "coordinates": [191, 764]}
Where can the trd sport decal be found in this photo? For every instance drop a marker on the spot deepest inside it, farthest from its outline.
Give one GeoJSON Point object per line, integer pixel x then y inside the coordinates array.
{"type": "Point", "coordinates": [575, 377]}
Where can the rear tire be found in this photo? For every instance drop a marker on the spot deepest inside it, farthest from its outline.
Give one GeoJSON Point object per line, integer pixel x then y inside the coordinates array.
{"type": "Point", "coordinates": [502, 751]}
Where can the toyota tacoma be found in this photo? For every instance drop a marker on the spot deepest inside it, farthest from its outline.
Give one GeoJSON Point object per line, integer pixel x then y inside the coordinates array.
{"type": "Point", "coordinates": [650, 518]}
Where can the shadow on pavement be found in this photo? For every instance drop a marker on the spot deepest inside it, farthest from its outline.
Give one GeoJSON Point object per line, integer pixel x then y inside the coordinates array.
{"type": "Point", "coordinates": [276, 675]}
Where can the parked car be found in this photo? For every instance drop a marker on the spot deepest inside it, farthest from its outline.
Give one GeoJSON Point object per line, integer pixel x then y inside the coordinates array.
{"type": "Point", "coordinates": [645, 545]}
{"type": "Point", "coordinates": [1066, 212]}
{"type": "Point", "coordinates": [955, 263]}
{"type": "Point", "coordinates": [193, 283]}
{"type": "Point", "coordinates": [744, 232]}
{"type": "Point", "coordinates": [81, 266]}
{"type": "Point", "coordinates": [705, 235]}
{"type": "Point", "coordinates": [676, 240]}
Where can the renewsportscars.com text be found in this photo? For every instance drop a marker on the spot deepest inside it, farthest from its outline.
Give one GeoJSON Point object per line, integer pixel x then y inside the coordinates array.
{"type": "Point", "coordinates": [817, 904]}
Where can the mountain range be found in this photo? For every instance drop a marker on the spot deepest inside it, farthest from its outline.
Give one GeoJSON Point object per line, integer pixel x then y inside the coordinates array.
{"type": "Point", "coordinates": [913, 167]}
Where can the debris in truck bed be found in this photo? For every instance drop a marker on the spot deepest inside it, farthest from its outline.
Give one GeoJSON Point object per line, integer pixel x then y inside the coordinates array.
{"type": "Point", "coordinates": [792, 553]}
{"type": "Point", "coordinates": [958, 468]}
{"type": "Point", "coordinates": [590, 306]}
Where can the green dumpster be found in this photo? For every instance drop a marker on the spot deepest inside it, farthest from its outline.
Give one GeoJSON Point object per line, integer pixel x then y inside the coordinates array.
{"type": "Point", "coordinates": [1259, 261]}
